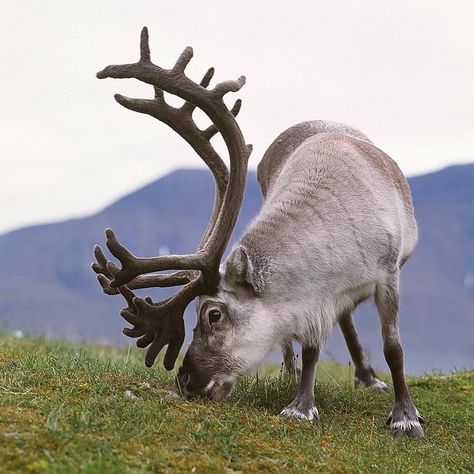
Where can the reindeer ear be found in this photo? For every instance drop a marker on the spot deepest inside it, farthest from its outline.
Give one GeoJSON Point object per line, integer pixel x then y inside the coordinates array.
{"type": "Point", "coordinates": [245, 270]}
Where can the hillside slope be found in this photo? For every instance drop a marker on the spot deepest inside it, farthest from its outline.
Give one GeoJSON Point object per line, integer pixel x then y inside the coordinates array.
{"type": "Point", "coordinates": [47, 287]}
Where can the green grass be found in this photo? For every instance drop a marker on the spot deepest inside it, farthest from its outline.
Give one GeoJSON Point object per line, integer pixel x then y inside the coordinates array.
{"type": "Point", "coordinates": [64, 409]}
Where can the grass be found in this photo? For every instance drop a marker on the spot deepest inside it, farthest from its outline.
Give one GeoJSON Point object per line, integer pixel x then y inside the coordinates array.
{"type": "Point", "coordinates": [69, 408]}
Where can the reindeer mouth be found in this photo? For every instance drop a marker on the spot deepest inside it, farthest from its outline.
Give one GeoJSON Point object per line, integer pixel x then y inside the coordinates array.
{"type": "Point", "coordinates": [215, 390]}
{"type": "Point", "coordinates": [218, 391]}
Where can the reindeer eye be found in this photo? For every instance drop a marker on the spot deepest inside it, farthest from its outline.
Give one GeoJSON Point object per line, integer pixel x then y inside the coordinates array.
{"type": "Point", "coordinates": [214, 315]}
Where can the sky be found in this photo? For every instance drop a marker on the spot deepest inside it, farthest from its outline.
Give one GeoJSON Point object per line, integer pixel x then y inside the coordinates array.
{"type": "Point", "coordinates": [400, 71]}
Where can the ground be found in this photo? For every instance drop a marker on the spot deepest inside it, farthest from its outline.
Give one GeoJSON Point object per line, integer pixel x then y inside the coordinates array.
{"type": "Point", "coordinates": [70, 408]}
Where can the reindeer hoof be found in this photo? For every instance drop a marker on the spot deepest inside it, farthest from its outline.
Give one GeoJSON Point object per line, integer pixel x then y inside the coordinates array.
{"type": "Point", "coordinates": [403, 424]}
{"type": "Point", "coordinates": [300, 413]}
{"type": "Point", "coordinates": [373, 384]}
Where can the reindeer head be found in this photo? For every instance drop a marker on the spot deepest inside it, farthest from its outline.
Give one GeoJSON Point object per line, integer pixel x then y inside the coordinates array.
{"type": "Point", "coordinates": [160, 324]}
{"type": "Point", "coordinates": [234, 330]}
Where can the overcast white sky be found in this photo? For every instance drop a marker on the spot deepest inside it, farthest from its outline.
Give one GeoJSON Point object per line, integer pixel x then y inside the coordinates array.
{"type": "Point", "coordinates": [401, 71]}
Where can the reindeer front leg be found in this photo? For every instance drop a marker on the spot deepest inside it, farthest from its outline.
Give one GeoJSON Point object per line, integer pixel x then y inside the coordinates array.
{"type": "Point", "coordinates": [302, 406]}
{"type": "Point", "coordinates": [364, 373]}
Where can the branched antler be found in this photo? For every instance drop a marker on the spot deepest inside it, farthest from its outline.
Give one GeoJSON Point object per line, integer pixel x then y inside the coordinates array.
{"type": "Point", "coordinates": [146, 281]}
{"type": "Point", "coordinates": [160, 324]}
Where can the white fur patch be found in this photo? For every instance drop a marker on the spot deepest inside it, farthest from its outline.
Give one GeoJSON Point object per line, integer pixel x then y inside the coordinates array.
{"type": "Point", "coordinates": [376, 384]}
{"type": "Point", "coordinates": [404, 425]}
{"type": "Point", "coordinates": [209, 386]}
{"type": "Point", "coordinates": [379, 386]}
{"type": "Point", "coordinates": [295, 413]}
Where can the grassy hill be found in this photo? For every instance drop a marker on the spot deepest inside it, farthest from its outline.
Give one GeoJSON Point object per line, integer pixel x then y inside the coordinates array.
{"type": "Point", "coordinates": [94, 409]}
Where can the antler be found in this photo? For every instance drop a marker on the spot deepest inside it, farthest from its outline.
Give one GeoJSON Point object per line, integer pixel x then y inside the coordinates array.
{"type": "Point", "coordinates": [161, 324]}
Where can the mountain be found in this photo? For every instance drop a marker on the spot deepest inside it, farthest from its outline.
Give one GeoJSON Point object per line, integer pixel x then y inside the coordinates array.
{"type": "Point", "coordinates": [47, 287]}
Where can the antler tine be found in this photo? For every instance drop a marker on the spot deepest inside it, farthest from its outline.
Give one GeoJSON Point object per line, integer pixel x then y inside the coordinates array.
{"type": "Point", "coordinates": [212, 129]}
{"type": "Point", "coordinates": [145, 56]}
{"type": "Point", "coordinates": [103, 275]}
{"type": "Point", "coordinates": [162, 323]}
{"type": "Point", "coordinates": [104, 282]}
{"type": "Point", "coordinates": [206, 80]}
{"type": "Point", "coordinates": [183, 61]}
{"type": "Point", "coordinates": [188, 107]}
{"type": "Point", "coordinates": [223, 88]}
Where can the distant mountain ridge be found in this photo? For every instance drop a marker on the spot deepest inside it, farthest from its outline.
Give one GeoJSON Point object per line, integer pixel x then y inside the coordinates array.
{"type": "Point", "coordinates": [47, 287]}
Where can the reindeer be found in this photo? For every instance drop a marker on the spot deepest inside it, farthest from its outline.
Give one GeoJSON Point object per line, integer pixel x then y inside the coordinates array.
{"type": "Point", "coordinates": [336, 227]}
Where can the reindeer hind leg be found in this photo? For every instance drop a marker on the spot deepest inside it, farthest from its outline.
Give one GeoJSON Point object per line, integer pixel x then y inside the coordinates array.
{"type": "Point", "coordinates": [290, 368]}
{"type": "Point", "coordinates": [404, 418]}
{"type": "Point", "coordinates": [364, 373]}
